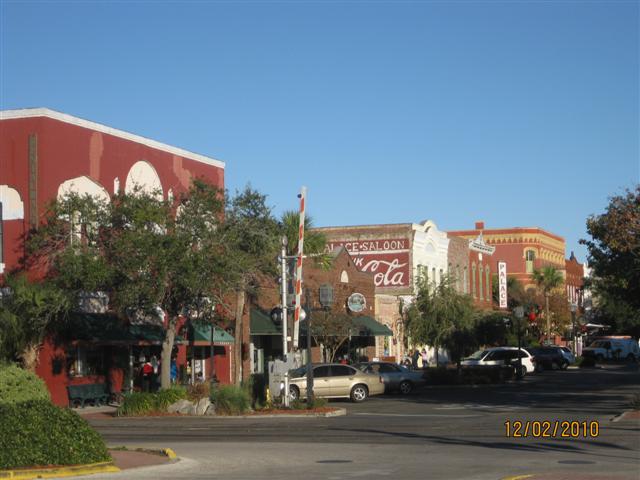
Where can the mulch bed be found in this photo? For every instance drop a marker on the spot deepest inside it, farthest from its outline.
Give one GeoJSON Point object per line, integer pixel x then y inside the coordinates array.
{"type": "Point", "coordinates": [125, 459]}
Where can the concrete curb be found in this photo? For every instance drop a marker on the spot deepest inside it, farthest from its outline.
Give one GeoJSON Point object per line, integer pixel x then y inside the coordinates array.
{"type": "Point", "coordinates": [621, 416]}
{"type": "Point", "coordinates": [338, 412]}
{"type": "Point", "coordinates": [60, 472]}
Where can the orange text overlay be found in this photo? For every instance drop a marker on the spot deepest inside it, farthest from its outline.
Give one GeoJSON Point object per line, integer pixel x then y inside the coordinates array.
{"type": "Point", "coordinates": [551, 429]}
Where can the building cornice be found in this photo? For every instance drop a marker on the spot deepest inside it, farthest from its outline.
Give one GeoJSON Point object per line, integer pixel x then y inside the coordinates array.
{"type": "Point", "coordinates": [98, 127]}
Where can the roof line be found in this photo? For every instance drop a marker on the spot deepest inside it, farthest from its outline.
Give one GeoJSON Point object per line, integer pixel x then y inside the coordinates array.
{"type": "Point", "coordinates": [80, 122]}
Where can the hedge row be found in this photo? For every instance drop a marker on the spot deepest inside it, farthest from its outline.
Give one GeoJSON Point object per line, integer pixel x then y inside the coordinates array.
{"type": "Point", "coordinates": [37, 433]}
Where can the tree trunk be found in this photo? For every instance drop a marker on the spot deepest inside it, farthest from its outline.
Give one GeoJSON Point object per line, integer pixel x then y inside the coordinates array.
{"type": "Point", "coordinates": [437, 356]}
{"type": "Point", "coordinates": [546, 312]}
{"type": "Point", "coordinates": [237, 363]}
{"type": "Point", "coordinates": [29, 356]}
{"type": "Point", "coordinates": [165, 357]}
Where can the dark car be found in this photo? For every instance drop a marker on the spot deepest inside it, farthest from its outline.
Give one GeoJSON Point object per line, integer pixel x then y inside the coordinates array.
{"type": "Point", "coordinates": [395, 377]}
{"type": "Point", "coordinates": [548, 358]}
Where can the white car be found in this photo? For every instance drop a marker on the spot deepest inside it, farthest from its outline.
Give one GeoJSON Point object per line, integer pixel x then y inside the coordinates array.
{"type": "Point", "coordinates": [502, 356]}
{"type": "Point", "coordinates": [611, 348]}
{"type": "Point", "coordinates": [568, 355]}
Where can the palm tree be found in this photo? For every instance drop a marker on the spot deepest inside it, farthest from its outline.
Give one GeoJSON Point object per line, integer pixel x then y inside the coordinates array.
{"type": "Point", "coordinates": [547, 279]}
{"type": "Point", "coordinates": [314, 242]}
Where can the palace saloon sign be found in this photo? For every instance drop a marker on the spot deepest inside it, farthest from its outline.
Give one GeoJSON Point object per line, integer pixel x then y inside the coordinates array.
{"type": "Point", "coordinates": [387, 259]}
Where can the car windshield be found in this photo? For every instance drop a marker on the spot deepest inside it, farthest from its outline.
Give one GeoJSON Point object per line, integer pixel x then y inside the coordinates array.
{"type": "Point", "coordinates": [477, 355]}
{"type": "Point", "coordinates": [298, 372]}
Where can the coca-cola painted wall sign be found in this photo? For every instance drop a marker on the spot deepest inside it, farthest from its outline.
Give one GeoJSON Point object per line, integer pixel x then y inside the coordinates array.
{"type": "Point", "coordinates": [387, 259]}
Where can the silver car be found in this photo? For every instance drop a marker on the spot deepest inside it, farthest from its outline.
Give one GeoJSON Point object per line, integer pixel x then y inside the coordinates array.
{"type": "Point", "coordinates": [333, 380]}
{"type": "Point", "coordinates": [395, 377]}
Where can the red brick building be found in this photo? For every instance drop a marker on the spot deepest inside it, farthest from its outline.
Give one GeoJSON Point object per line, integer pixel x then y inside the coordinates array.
{"type": "Point", "coordinates": [574, 281]}
{"type": "Point", "coordinates": [45, 154]}
{"type": "Point", "coordinates": [522, 248]}
{"type": "Point", "coordinates": [346, 281]}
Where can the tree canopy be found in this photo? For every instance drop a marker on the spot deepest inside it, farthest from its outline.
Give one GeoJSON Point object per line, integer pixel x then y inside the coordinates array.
{"type": "Point", "coordinates": [614, 257]}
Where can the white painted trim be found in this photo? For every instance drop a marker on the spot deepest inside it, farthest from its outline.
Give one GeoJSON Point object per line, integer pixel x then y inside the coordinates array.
{"type": "Point", "coordinates": [63, 117]}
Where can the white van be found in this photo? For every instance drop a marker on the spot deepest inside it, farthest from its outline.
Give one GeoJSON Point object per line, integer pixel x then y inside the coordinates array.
{"type": "Point", "coordinates": [611, 348]}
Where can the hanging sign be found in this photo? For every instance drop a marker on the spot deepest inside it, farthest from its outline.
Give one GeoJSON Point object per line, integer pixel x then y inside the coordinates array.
{"type": "Point", "coordinates": [356, 302]}
{"type": "Point", "coordinates": [502, 284]}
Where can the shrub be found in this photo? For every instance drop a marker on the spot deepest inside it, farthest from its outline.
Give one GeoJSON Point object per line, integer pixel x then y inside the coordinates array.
{"type": "Point", "coordinates": [198, 390]}
{"type": "Point", "coordinates": [37, 433]}
{"type": "Point", "coordinates": [136, 403]}
{"type": "Point", "coordinates": [230, 399]}
{"type": "Point", "coordinates": [19, 385]}
{"type": "Point", "coordinates": [164, 398]}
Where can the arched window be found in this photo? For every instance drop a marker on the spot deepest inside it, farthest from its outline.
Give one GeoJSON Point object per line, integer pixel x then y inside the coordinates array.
{"type": "Point", "coordinates": [143, 177]}
{"type": "Point", "coordinates": [465, 280]}
{"type": "Point", "coordinates": [480, 280]}
{"type": "Point", "coordinates": [488, 282]}
{"type": "Point", "coordinates": [529, 257]}
{"type": "Point", "coordinates": [473, 280]}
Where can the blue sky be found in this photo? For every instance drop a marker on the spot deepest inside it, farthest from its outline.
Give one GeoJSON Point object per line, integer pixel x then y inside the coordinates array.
{"type": "Point", "coordinates": [515, 113]}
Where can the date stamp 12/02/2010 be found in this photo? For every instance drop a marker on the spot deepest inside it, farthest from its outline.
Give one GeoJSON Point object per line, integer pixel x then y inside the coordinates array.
{"type": "Point", "coordinates": [552, 429]}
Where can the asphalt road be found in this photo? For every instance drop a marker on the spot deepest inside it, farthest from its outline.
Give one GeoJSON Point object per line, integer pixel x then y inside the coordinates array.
{"type": "Point", "coordinates": [438, 432]}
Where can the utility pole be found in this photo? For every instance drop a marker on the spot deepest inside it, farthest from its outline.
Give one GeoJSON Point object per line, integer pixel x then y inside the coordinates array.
{"type": "Point", "coordinates": [283, 298]}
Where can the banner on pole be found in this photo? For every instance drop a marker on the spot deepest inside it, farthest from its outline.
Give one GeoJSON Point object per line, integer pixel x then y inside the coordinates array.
{"type": "Point", "coordinates": [502, 284]}
{"type": "Point", "coordinates": [296, 318]}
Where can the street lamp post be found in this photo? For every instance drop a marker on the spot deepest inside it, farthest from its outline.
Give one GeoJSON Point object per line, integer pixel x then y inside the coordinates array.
{"type": "Point", "coordinates": [519, 314]}
{"type": "Point", "coordinates": [574, 307]}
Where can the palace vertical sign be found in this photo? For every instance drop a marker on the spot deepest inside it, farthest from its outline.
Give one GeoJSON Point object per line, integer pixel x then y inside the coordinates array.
{"type": "Point", "coordinates": [502, 283]}
{"type": "Point", "coordinates": [387, 259]}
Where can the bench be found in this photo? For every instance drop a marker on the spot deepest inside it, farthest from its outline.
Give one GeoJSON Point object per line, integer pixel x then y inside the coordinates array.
{"type": "Point", "coordinates": [95, 393]}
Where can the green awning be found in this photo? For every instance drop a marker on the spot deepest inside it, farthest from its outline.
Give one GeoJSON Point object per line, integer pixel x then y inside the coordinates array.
{"type": "Point", "coordinates": [369, 327]}
{"type": "Point", "coordinates": [202, 334]}
{"type": "Point", "coordinates": [109, 329]}
{"type": "Point", "coordinates": [262, 324]}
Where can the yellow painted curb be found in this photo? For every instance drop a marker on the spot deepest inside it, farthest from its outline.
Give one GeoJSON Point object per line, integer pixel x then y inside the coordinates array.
{"type": "Point", "coordinates": [169, 453]}
{"type": "Point", "coordinates": [517, 477]}
{"type": "Point", "coordinates": [60, 472]}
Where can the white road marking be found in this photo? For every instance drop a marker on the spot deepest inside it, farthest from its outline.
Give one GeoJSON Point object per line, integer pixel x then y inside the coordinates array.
{"type": "Point", "coordinates": [416, 415]}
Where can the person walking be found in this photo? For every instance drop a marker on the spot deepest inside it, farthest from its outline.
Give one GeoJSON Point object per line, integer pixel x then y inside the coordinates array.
{"type": "Point", "coordinates": [425, 360]}
{"type": "Point", "coordinates": [147, 373]}
{"type": "Point", "coordinates": [414, 359]}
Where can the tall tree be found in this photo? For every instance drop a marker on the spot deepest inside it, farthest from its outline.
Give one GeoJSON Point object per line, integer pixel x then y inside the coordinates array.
{"type": "Point", "coordinates": [153, 260]}
{"type": "Point", "coordinates": [440, 316]}
{"type": "Point", "coordinates": [547, 280]}
{"type": "Point", "coordinates": [614, 256]}
{"type": "Point", "coordinates": [251, 236]}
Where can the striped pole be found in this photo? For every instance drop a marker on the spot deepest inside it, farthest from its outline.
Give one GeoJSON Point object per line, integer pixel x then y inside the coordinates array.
{"type": "Point", "coordinates": [296, 318]}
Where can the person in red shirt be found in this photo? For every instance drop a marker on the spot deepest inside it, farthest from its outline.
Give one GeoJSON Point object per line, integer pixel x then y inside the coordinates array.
{"type": "Point", "coordinates": [147, 373]}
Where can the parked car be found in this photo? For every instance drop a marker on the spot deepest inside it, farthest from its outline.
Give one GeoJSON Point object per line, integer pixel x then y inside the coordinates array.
{"type": "Point", "coordinates": [548, 358]}
{"type": "Point", "coordinates": [395, 377]}
{"type": "Point", "coordinates": [501, 356]}
{"type": "Point", "coordinates": [613, 349]}
{"type": "Point", "coordinates": [333, 380]}
{"type": "Point", "coordinates": [568, 354]}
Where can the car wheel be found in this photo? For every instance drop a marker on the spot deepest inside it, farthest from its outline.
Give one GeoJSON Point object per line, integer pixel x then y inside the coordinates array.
{"type": "Point", "coordinates": [631, 358]}
{"type": "Point", "coordinates": [523, 371]}
{"type": "Point", "coordinates": [564, 365]}
{"type": "Point", "coordinates": [294, 393]}
{"type": "Point", "coordinates": [599, 358]}
{"type": "Point", "coordinates": [359, 393]}
{"type": "Point", "coordinates": [405, 387]}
